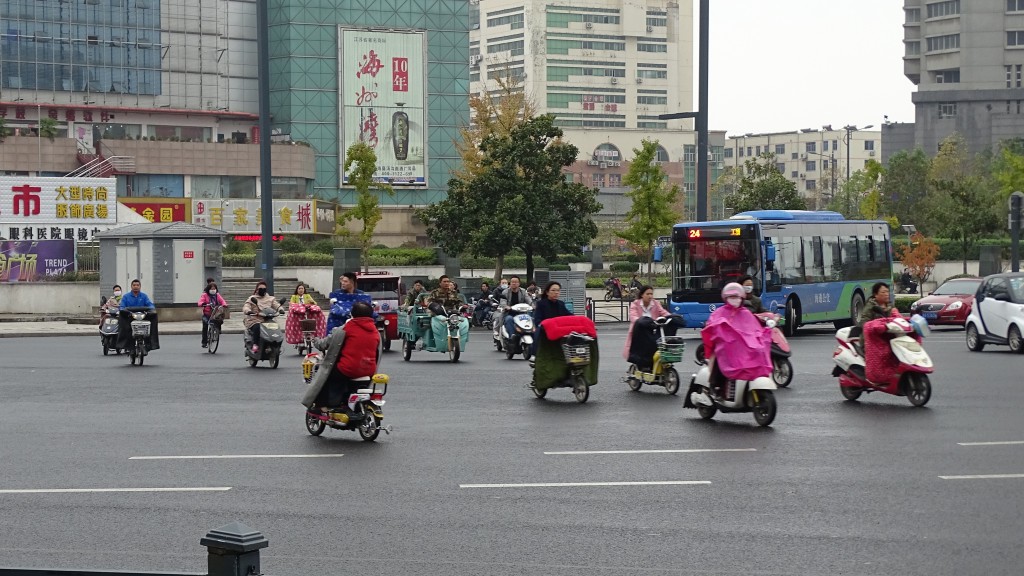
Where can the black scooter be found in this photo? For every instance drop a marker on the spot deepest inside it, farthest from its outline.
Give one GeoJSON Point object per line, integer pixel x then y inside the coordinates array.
{"type": "Point", "coordinates": [271, 339]}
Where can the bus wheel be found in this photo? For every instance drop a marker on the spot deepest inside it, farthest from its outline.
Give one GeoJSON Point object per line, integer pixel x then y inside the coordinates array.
{"type": "Point", "coordinates": [792, 318]}
{"type": "Point", "coordinates": [856, 306]}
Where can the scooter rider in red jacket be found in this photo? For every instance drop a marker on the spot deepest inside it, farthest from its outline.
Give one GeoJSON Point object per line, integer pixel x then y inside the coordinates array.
{"type": "Point", "coordinates": [352, 352]}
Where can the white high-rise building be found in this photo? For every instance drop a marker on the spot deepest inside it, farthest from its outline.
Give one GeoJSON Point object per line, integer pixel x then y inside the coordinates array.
{"type": "Point", "coordinates": [603, 67]}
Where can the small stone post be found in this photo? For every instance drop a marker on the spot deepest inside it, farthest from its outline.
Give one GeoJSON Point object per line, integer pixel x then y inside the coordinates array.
{"type": "Point", "coordinates": [234, 550]}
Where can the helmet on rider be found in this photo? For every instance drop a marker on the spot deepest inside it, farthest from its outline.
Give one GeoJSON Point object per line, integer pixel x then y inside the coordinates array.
{"type": "Point", "coordinates": [733, 294]}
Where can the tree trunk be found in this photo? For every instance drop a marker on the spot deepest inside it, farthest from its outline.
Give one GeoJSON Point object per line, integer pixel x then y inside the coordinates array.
{"type": "Point", "coordinates": [499, 268]}
{"type": "Point", "coordinates": [529, 264]}
{"type": "Point", "coordinates": [650, 263]}
{"type": "Point", "coordinates": [964, 246]}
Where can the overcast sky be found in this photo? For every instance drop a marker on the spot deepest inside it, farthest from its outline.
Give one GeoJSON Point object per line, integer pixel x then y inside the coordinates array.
{"type": "Point", "coordinates": [791, 64]}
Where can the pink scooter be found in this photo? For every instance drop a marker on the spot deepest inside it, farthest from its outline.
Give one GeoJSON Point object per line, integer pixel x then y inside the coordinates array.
{"type": "Point", "coordinates": [782, 368]}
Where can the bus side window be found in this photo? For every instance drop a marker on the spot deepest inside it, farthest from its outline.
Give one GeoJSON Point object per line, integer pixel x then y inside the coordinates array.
{"type": "Point", "coordinates": [831, 258]}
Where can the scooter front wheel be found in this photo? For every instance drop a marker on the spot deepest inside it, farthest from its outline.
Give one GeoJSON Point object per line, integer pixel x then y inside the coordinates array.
{"type": "Point", "coordinates": [764, 410]}
{"type": "Point", "coordinates": [850, 393]}
{"type": "Point", "coordinates": [634, 383]}
{"type": "Point", "coordinates": [671, 381]}
{"type": "Point", "coordinates": [918, 388]}
{"type": "Point", "coordinates": [782, 372]}
{"type": "Point", "coordinates": [276, 360]}
{"type": "Point", "coordinates": [580, 389]}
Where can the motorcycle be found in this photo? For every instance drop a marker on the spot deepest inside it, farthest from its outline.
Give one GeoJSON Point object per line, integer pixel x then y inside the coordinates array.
{"type": "Point", "coordinates": [271, 338]}
{"type": "Point", "coordinates": [140, 333]}
{"type": "Point", "coordinates": [909, 379]}
{"type": "Point", "coordinates": [522, 340]}
{"type": "Point", "coordinates": [108, 331]}
{"type": "Point", "coordinates": [782, 367]}
{"type": "Point", "coordinates": [710, 392]}
{"type": "Point", "coordinates": [670, 351]}
{"type": "Point", "coordinates": [612, 289]}
{"type": "Point", "coordinates": [366, 403]}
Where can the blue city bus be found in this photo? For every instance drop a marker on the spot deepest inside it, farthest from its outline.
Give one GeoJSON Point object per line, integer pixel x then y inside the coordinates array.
{"type": "Point", "coordinates": [807, 266]}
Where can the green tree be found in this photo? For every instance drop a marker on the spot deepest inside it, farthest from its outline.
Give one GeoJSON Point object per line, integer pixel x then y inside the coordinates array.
{"type": "Point", "coordinates": [961, 202]}
{"type": "Point", "coordinates": [1008, 170]}
{"type": "Point", "coordinates": [519, 199]}
{"type": "Point", "coordinates": [48, 128]}
{"type": "Point", "coordinates": [850, 201]}
{"type": "Point", "coordinates": [360, 166]}
{"type": "Point", "coordinates": [651, 214]}
{"type": "Point", "coordinates": [493, 113]}
{"type": "Point", "coordinates": [904, 186]}
{"type": "Point", "coordinates": [3, 128]}
{"type": "Point", "coordinates": [763, 187]}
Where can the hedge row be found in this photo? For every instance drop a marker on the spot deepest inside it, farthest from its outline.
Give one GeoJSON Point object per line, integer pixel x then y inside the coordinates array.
{"type": "Point", "coordinates": [951, 250]}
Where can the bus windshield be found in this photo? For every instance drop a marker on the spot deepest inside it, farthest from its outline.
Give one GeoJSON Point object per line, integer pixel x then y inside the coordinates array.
{"type": "Point", "coordinates": [704, 266]}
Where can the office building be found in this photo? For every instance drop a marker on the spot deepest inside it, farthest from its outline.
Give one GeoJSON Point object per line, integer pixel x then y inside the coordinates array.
{"type": "Point", "coordinates": [967, 60]}
{"type": "Point", "coordinates": [163, 95]}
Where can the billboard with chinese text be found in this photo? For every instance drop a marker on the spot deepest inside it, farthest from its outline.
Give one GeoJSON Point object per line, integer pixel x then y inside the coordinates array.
{"type": "Point", "coordinates": [382, 81]}
{"type": "Point", "coordinates": [245, 216]}
{"type": "Point", "coordinates": [25, 261]}
{"type": "Point", "coordinates": [56, 208]}
{"type": "Point", "coordinates": [159, 210]}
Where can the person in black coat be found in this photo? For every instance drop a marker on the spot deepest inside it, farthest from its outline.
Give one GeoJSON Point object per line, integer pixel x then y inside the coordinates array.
{"type": "Point", "coordinates": [548, 306]}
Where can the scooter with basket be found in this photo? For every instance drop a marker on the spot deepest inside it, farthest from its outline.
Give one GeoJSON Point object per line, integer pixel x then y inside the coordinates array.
{"type": "Point", "coordinates": [670, 351]}
{"type": "Point", "coordinates": [567, 357]}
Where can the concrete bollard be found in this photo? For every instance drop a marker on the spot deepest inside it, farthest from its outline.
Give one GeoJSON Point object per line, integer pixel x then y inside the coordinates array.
{"type": "Point", "coordinates": [234, 550]}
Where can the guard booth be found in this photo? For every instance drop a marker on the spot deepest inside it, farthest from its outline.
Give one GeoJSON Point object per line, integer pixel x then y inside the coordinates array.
{"type": "Point", "coordinates": [172, 260]}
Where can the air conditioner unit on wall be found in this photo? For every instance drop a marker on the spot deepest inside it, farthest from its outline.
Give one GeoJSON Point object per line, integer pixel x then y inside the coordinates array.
{"type": "Point", "coordinates": [615, 80]}
{"type": "Point", "coordinates": [639, 80]}
{"type": "Point", "coordinates": [871, 153]}
{"type": "Point", "coordinates": [803, 176]}
{"type": "Point", "coordinates": [590, 24]}
{"type": "Point", "coordinates": [650, 28]}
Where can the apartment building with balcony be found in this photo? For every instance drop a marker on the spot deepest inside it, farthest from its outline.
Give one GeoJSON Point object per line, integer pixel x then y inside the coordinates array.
{"type": "Point", "coordinates": [967, 60]}
{"type": "Point", "coordinates": [817, 161]}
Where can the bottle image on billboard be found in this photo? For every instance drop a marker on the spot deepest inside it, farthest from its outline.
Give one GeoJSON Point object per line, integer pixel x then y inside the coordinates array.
{"type": "Point", "coordinates": [400, 134]}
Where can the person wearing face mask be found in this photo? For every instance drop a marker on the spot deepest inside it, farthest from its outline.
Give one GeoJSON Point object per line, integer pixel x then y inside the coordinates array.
{"type": "Point", "coordinates": [258, 301]}
{"type": "Point", "coordinates": [750, 300]}
{"type": "Point", "coordinates": [739, 344]}
{"type": "Point", "coordinates": [207, 301]}
{"type": "Point", "coordinates": [107, 304]}
{"type": "Point", "coordinates": [642, 339]}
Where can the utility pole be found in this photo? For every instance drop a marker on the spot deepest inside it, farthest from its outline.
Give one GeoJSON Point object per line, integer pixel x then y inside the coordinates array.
{"type": "Point", "coordinates": [266, 194]}
{"type": "Point", "coordinates": [701, 115]}
{"type": "Point", "coordinates": [1015, 215]}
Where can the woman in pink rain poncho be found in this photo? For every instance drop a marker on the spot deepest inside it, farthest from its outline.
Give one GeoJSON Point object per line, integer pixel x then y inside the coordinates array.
{"type": "Point", "coordinates": [739, 344]}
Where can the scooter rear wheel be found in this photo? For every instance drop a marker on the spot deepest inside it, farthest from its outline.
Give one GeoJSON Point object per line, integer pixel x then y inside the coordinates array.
{"type": "Point", "coordinates": [370, 428]}
{"type": "Point", "coordinates": [707, 412]}
{"type": "Point", "coordinates": [106, 349]}
{"type": "Point", "coordinates": [314, 425]}
{"type": "Point", "coordinates": [276, 361]}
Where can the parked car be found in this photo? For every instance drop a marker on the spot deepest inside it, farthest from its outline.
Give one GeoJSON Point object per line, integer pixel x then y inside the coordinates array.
{"type": "Point", "coordinates": [950, 303]}
{"type": "Point", "coordinates": [998, 313]}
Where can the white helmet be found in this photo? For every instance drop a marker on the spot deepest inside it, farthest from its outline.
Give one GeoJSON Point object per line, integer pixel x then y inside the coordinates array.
{"type": "Point", "coordinates": [732, 289]}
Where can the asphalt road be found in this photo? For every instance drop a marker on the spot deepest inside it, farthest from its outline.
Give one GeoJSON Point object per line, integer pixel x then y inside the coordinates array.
{"type": "Point", "coordinates": [832, 487]}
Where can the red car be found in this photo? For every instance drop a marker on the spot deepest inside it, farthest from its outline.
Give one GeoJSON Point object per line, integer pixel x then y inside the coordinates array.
{"type": "Point", "coordinates": [948, 304]}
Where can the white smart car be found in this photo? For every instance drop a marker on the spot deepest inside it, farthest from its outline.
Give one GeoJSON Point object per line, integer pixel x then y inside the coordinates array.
{"type": "Point", "coordinates": [998, 313]}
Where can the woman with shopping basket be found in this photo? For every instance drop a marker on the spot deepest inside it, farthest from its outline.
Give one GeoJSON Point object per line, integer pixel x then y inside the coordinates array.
{"type": "Point", "coordinates": [567, 356]}
{"type": "Point", "coordinates": [306, 322]}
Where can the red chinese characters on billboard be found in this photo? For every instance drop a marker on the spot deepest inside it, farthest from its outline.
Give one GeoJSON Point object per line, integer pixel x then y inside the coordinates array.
{"type": "Point", "coordinates": [400, 74]}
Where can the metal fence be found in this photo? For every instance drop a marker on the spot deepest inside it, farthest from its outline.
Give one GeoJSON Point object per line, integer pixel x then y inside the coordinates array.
{"type": "Point", "coordinates": [87, 257]}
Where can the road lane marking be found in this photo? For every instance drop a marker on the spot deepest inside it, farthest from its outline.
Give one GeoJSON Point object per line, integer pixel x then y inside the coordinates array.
{"type": "Point", "coordinates": [679, 451]}
{"type": "Point", "coordinates": [97, 490]}
{"type": "Point", "coordinates": [235, 456]}
{"type": "Point", "coordinates": [584, 484]}
{"type": "Point", "coordinates": [1006, 443]}
{"type": "Point", "coordinates": [983, 477]}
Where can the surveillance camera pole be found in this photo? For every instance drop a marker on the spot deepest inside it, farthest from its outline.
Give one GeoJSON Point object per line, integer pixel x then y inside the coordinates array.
{"type": "Point", "coordinates": [266, 193]}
